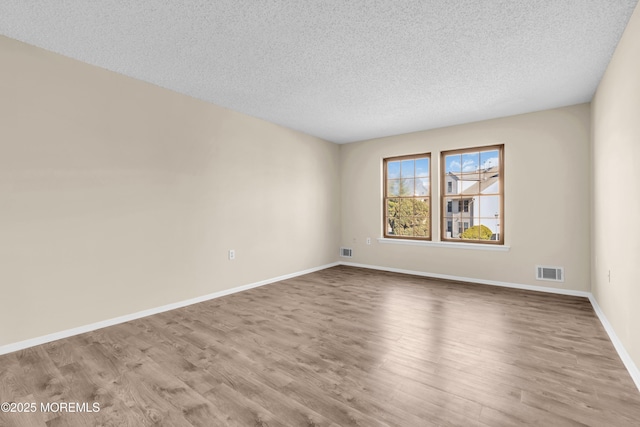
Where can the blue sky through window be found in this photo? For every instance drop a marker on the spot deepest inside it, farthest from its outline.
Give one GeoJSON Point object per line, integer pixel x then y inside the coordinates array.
{"type": "Point", "coordinates": [408, 168]}
{"type": "Point", "coordinates": [393, 170]}
{"type": "Point", "coordinates": [471, 162]}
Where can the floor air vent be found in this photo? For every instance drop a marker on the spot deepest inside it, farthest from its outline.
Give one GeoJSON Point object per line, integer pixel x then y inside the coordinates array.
{"type": "Point", "coordinates": [552, 274]}
{"type": "Point", "coordinates": [346, 252]}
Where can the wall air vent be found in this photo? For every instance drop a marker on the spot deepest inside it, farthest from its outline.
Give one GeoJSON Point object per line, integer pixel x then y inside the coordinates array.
{"type": "Point", "coordinates": [552, 274]}
{"type": "Point", "coordinates": [346, 252]}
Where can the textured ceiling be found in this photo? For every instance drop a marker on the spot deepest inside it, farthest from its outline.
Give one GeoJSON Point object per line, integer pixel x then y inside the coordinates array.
{"type": "Point", "coordinates": [342, 70]}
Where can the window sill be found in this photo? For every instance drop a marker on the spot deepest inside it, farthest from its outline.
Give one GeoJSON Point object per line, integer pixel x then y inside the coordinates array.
{"type": "Point", "coordinates": [451, 245]}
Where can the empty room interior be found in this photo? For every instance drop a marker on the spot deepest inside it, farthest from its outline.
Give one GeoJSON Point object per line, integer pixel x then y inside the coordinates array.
{"type": "Point", "coordinates": [320, 213]}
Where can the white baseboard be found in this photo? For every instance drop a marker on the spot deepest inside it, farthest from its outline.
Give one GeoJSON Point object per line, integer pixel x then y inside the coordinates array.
{"type": "Point", "coordinates": [584, 294]}
{"type": "Point", "coordinates": [9, 348]}
{"type": "Point", "coordinates": [622, 352]}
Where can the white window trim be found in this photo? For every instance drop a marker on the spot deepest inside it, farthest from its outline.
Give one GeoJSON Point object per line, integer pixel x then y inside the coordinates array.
{"type": "Point", "coordinates": [450, 245]}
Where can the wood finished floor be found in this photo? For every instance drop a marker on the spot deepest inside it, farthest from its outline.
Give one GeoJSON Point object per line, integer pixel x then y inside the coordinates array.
{"type": "Point", "coordinates": [343, 346]}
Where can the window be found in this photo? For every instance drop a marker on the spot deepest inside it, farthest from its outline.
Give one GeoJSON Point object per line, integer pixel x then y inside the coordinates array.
{"type": "Point", "coordinates": [474, 180]}
{"type": "Point", "coordinates": [407, 197]}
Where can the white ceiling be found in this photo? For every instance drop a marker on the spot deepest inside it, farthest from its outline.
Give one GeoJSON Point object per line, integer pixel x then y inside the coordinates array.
{"type": "Point", "coordinates": [337, 69]}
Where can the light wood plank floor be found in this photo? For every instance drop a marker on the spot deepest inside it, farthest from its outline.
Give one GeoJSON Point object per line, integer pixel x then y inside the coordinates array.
{"type": "Point", "coordinates": [343, 346]}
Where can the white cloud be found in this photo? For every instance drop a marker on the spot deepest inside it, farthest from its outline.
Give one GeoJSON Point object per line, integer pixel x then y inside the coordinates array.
{"type": "Point", "coordinates": [469, 166]}
{"type": "Point", "coordinates": [454, 165]}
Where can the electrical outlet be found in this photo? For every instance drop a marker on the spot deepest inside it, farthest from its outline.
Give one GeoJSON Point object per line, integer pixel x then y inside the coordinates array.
{"type": "Point", "coordinates": [232, 254]}
{"type": "Point", "coordinates": [368, 240]}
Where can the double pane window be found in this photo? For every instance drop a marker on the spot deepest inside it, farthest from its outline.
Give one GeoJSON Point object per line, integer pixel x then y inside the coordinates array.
{"type": "Point", "coordinates": [407, 197]}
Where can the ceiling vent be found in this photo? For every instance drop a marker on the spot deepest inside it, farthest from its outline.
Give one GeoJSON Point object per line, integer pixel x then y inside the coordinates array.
{"type": "Point", "coordinates": [551, 274]}
{"type": "Point", "coordinates": [346, 252]}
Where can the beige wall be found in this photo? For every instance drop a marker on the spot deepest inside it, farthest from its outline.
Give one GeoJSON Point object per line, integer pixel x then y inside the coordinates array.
{"type": "Point", "coordinates": [118, 196]}
{"type": "Point", "coordinates": [616, 190]}
{"type": "Point", "coordinates": [547, 197]}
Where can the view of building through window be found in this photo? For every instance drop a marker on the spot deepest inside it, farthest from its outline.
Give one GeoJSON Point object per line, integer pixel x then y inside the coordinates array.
{"type": "Point", "coordinates": [472, 182]}
{"type": "Point", "coordinates": [471, 203]}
